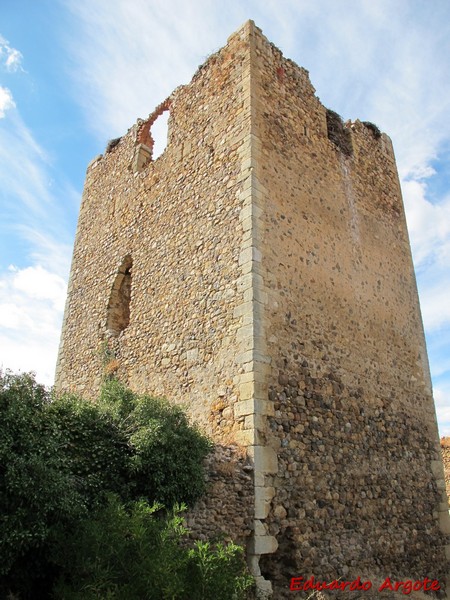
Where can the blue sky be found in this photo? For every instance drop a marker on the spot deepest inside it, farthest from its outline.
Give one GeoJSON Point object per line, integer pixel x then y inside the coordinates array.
{"type": "Point", "coordinates": [76, 73]}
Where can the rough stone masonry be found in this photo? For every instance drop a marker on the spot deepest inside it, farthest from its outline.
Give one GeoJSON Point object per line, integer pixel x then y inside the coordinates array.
{"type": "Point", "coordinates": [259, 271]}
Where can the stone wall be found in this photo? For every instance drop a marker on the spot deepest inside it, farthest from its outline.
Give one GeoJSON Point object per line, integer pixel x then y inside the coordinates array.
{"type": "Point", "coordinates": [349, 379]}
{"type": "Point", "coordinates": [161, 241]}
{"type": "Point", "coordinates": [259, 273]}
{"type": "Point", "coordinates": [178, 220]}
{"type": "Point", "coordinates": [445, 449]}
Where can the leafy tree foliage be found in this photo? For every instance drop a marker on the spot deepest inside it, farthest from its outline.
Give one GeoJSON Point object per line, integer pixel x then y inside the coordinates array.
{"type": "Point", "coordinates": [36, 485]}
{"type": "Point", "coordinates": [166, 452]}
{"type": "Point", "coordinates": [79, 491]}
{"type": "Point", "coordinates": [218, 572]}
{"type": "Point", "coordinates": [95, 448]}
{"type": "Point", "coordinates": [134, 553]}
{"type": "Point", "coordinates": [122, 553]}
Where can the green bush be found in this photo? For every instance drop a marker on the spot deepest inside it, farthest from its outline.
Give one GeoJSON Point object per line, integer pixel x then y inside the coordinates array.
{"type": "Point", "coordinates": [77, 492]}
{"type": "Point", "coordinates": [36, 486]}
{"type": "Point", "coordinates": [165, 452]}
{"type": "Point", "coordinates": [218, 572]}
{"type": "Point", "coordinates": [120, 553]}
{"type": "Point", "coordinates": [168, 453]}
{"type": "Point", "coordinates": [136, 553]}
{"type": "Point", "coordinates": [95, 448]}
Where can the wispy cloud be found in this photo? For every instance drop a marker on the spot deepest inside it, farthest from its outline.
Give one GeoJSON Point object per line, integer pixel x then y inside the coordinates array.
{"type": "Point", "coordinates": [429, 229]}
{"type": "Point", "coordinates": [134, 54]}
{"type": "Point", "coordinates": [36, 231]}
{"type": "Point", "coordinates": [23, 166]}
{"type": "Point", "coordinates": [420, 211]}
{"type": "Point", "coordinates": [10, 58]}
{"type": "Point", "coordinates": [441, 395]}
{"type": "Point", "coordinates": [6, 101]}
{"type": "Point", "coordinates": [31, 309]}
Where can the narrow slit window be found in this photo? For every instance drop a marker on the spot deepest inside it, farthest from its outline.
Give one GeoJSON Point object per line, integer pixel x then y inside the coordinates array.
{"type": "Point", "coordinates": [118, 317]}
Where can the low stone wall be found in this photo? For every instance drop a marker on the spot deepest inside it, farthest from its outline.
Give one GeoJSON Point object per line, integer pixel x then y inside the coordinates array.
{"type": "Point", "coordinates": [225, 512]}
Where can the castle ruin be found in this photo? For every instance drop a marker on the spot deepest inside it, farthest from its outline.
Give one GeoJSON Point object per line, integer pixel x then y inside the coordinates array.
{"type": "Point", "coordinates": [259, 272]}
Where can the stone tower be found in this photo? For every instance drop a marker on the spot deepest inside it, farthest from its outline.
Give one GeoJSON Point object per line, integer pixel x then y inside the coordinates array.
{"type": "Point", "coordinates": [259, 271]}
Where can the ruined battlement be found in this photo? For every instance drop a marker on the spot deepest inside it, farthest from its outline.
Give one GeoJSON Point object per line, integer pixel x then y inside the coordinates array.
{"type": "Point", "coordinates": [259, 272]}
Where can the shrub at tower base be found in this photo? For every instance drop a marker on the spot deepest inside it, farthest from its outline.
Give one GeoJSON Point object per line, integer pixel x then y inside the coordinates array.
{"type": "Point", "coordinates": [82, 494]}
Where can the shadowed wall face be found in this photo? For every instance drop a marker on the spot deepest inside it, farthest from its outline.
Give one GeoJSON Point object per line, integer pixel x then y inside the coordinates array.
{"type": "Point", "coordinates": [354, 424]}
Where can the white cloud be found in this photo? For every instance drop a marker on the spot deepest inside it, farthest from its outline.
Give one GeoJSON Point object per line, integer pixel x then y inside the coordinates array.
{"type": "Point", "coordinates": [134, 54]}
{"type": "Point", "coordinates": [31, 310]}
{"type": "Point", "coordinates": [6, 101]}
{"type": "Point", "coordinates": [23, 166]}
{"type": "Point", "coordinates": [14, 59]}
{"type": "Point", "coordinates": [34, 209]}
{"type": "Point", "coordinates": [36, 229]}
{"type": "Point", "coordinates": [36, 282]}
{"type": "Point", "coordinates": [48, 249]}
{"type": "Point", "coordinates": [441, 396]}
{"type": "Point", "coordinates": [435, 305]}
{"type": "Point", "coordinates": [429, 230]}
{"type": "Point", "coordinates": [428, 224]}
{"type": "Point", "coordinates": [10, 58]}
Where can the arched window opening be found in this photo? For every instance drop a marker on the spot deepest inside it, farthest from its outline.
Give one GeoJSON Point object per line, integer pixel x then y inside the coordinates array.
{"type": "Point", "coordinates": [152, 137]}
{"type": "Point", "coordinates": [159, 133]}
{"type": "Point", "coordinates": [118, 313]}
